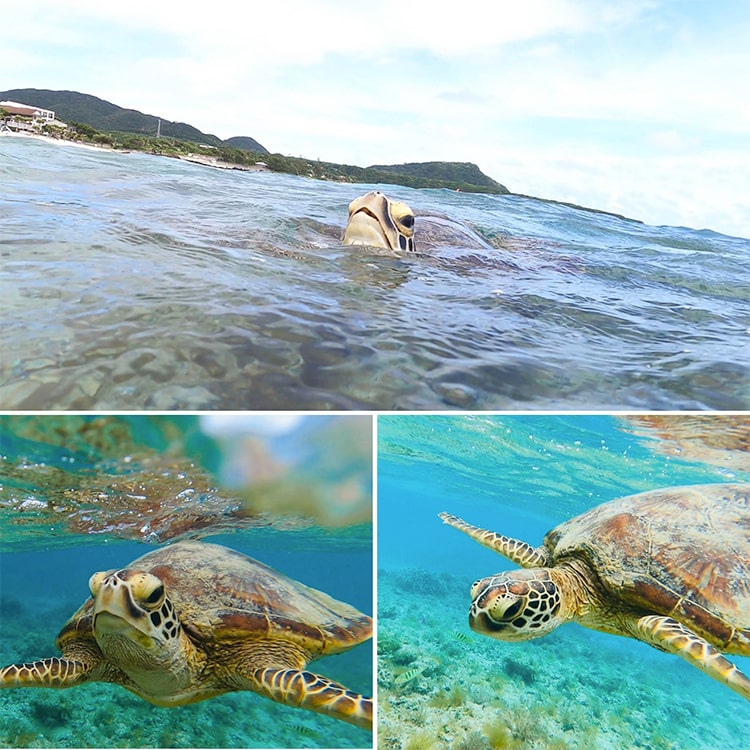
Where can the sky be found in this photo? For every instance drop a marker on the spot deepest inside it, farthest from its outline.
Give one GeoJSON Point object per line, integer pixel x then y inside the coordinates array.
{"type": "Point", "coordinates": [640, 107]}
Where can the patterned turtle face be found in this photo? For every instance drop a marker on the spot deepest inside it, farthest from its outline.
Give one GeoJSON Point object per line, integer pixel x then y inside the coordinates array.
{"type": "Point", "coordinates": [515, 606]}
{"type": "Point", "coordinates": [131, 604]}
{"type": "Point", "coordinates": [376, 220]}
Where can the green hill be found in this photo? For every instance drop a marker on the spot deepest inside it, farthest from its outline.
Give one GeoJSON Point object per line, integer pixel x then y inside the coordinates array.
{"type": "Point", "coordinates": [458, 172]}
{"type": "Point", "coordinates": [72, 106]}
{"type": "Point", "coordinates": [246, 143]}
{"type": "Point", "coordinates": [448, 175]}
{"type": "Point", "coordinates": [137, 131]}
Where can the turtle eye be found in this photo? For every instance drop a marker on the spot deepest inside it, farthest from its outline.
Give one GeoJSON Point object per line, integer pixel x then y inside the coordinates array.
{"type": "Point", "coordinates": [155, 596]}
{"type": "Point", "coordinates": [407, 220]}
{"type": "Point", "coordinates": [95, 582]}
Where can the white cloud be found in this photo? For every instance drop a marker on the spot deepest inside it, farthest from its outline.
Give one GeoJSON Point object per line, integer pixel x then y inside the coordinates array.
{"type": "Point", "coordinates": [705, 190]}
{"type": "Point", "coordinates": [286, 33]}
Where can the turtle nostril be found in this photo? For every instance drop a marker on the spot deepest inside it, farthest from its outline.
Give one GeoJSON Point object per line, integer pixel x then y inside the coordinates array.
{"type": "Point", "coordinates": [512, 611]}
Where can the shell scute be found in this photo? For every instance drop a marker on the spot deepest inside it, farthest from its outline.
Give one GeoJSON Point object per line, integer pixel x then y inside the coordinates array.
{"type": "Point", "coordinates": [683, 552]}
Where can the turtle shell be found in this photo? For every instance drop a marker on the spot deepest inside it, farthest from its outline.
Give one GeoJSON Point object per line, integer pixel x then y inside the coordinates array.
{"type": "Point", "coordinates": [435, 231]}
{"type": "Point", "coordinates": [221, 595]}
{"type": "Point", "coordinates": [683, 552]}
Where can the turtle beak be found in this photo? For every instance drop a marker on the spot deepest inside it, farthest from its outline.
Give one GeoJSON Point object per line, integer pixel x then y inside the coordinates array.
{"type": "Point", "coordinates": [365, 229]}
{"type": "Point", "coordinates": [115, 612]}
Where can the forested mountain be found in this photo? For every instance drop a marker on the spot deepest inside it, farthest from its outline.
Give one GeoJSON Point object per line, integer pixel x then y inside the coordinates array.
{"type": "Point", "coordinates": [107, 118]}
{"type": "Point", "coordinates": [72, 106]}
{"type": "Point", "coordinates": [246, 143]}
{"type": "Point", "coordinates": [447, 171]}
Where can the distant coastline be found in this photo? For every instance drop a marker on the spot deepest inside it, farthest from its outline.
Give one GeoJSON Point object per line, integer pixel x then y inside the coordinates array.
{"type": "Point", "coordinates": [206, 161]}
{"type": "Point", "coordinates": [212, 161]}
{"type": "Point", "coordinates": [96, 124]}
{"type": "Point", "coordinates": [77, 117]}
{"type": "Point", "coordinates": [60, 141]}
{"type": "Point", "coordinates": [216, 163]}
{"type": "Point", "coordinates": [416, 175]}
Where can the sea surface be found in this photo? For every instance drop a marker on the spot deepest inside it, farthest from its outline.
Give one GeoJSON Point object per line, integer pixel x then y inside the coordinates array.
{"type": "Point", "coordinates": [134, 281]}
{"type": "Point", "coordinates": [57, 470]}
{"type": "Point", "coordinates": [440, 685]}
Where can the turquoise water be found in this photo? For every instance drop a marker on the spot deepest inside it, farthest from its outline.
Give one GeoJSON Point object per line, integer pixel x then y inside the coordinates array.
{"type": "Point", "coordinates": [443, 686]}
{"type": "Point", "coordinates": [143, 282]}
{"type": "Point", "coordinates": [47, 559]}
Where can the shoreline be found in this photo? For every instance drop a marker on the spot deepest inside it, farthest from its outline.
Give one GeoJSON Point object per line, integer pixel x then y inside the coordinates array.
{"type": "Point", "coordinates": [212, 161]}
{"type": "Point", "coordinates": [56, 141]}
{"type": "Point", "coordinates": [206, 161]}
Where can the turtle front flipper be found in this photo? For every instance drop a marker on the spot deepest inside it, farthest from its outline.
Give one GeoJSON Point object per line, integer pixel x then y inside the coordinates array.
{"type": "Point", "coordinates": [52, 672]}
{"type": "Point", "coordinates": [669, 635]}
{"type": "Point", "coordinates": [308, 690]}
{"type": "Point", "coordinates": [515, 550]}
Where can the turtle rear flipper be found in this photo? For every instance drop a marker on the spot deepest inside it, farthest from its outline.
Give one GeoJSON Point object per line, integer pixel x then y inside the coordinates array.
{"type": "Point", "coordinates": [668, 634]}
{"type": "Point", "coordinates": [53, 672]}
{"type": "Point", "coordinates": [304, 689]}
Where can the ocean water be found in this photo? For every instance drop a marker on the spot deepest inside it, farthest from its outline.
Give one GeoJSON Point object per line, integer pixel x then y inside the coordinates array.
{"type": "Point", "coordinates": [46, 558]}
{"type": "Point", "coordinates": [141, 282]}
{"type": "Point", "coordinates": [440, 685]}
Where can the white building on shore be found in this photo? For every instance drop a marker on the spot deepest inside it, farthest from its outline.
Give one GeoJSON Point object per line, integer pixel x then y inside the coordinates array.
{"type": "Point", "coordinates": [27, 110]}
{"type": "Point", "coordinates": [26, 117]}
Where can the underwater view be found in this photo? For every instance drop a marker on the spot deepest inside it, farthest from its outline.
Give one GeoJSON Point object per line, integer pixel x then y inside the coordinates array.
{"type": "Point", "coordinates": [82, 494]}
{"type": "Point", "coordinates": [444, 685]}
{"type": "Point", "coordinates": [141, 282]}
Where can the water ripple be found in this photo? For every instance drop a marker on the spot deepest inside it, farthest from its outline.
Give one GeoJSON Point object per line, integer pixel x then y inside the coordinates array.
{"type": "Point", "coordinates": [140, 282]}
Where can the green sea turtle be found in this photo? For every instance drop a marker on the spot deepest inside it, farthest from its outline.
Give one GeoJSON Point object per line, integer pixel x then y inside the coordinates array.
{"type": "Point", "coordinates": [378, 221]}
{"type": "Point", "coordinates": [668, 567]}
{"type": "Point", "coordinates": [194, 620]}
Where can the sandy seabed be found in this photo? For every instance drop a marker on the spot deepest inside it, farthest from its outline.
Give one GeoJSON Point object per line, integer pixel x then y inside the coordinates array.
{"type": "Point", "coordinates": [443, 687]}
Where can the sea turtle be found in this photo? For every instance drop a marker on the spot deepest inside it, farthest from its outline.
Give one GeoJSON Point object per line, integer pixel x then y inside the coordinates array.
{"type": "Point", "coordinates": [194, 620]}
{"type": "Point", "coordinates": [668, 567]}
{"type": "Point", "coordinates": [378, 221]}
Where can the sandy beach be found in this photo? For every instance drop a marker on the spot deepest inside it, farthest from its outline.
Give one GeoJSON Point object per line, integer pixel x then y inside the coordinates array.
{"type": "Point", "coordinates": [56, 141]}
{"type": "Point", "coordinates": [206, 161]}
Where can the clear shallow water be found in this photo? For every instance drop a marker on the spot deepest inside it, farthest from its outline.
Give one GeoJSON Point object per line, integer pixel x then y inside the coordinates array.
{"type": "Point", "coordinates": [46, 561]}
{"type": "Point", "coordinates": [443, 686]}
{"type": "Point", "coordinates": [142, 282]}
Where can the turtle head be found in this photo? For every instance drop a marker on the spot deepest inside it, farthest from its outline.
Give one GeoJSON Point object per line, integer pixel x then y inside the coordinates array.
{"type": "Point", "coordinates": [516, 606]}
{"type": "Point", "coordinates": [132, 611]}
{"type": "Point", "coordinates": [137, 629]}
{"type": "Point", "coordinates": [378, 221]}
